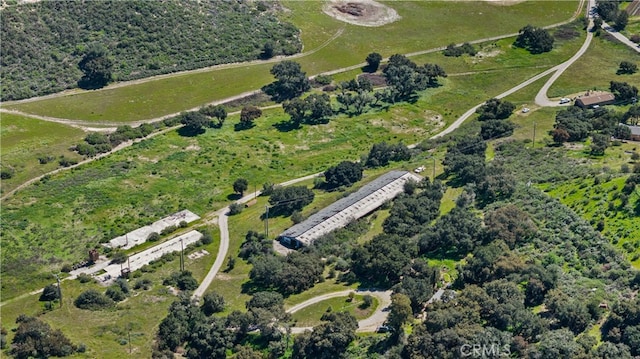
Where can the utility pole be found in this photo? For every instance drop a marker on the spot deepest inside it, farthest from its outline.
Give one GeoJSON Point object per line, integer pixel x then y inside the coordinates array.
{"type": "Point", "coordinates": [434, 170]}
{"type": "Point", "coordinates": [534, 136]}
{"type": "Point", "coordinates": [181, 255]}
{"type": "Point", "coordinates": [266, 221]}
{"type": "Point", "coordinates": [59, 289]}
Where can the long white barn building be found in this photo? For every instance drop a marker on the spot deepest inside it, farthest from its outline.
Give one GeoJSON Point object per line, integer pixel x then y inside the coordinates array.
{"type": "Point", "coordinates": [342, 212]}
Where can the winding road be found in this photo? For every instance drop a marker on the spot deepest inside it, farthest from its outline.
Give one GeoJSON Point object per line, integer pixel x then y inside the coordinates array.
{"type": "Point", "coordinates": [369, 324]}
{"type": "Point", "coordinates": [378, 318]}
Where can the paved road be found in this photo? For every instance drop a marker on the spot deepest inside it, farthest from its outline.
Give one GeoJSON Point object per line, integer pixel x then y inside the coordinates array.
{"type": "Point", "coordinates": [369, 324]}
{"type": "Point", "coordinates": [222, 215]}
{"type": "Point", "coordinates": [620, 37]}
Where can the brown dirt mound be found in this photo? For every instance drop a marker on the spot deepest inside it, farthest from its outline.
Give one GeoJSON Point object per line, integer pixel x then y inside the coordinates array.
{"type": "Point", "coordinates": [361, 12]}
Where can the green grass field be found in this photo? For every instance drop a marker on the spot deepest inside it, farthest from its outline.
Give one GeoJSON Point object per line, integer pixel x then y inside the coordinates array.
{"type": "Point", "coordinates": [23, 139]}
{"type": "Point", "coordinates": [595, 69]}
{"type": "Point", "coordinates": [310, 316]}
{"type": "Point", "coordinates": [103, 332]}
{"type": "Point", "coordinates": [472, 20]}
{"type": "Point", "coordinates": [137, 185]}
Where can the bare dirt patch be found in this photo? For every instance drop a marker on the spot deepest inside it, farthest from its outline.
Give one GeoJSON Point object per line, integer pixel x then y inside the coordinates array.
{"type": "Point", "coordinates": [361, 12]}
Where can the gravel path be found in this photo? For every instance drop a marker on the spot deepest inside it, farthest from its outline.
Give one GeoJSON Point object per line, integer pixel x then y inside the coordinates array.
{"type": "Point", "coordinates": [369, 324]}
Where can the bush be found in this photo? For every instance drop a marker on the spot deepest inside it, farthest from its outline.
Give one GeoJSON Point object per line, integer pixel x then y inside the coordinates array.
{"type": "Point", "coordinates": [35, 339]}
{"type": "Point", "coordinates": [153, 236]}
{"type": "Point", "coordinates": [93, 300]}
{"type": "Point", "coordinates": [207, 238]}
{"type": "Point", "coordinates": [323, 80]}
{"type": "Point", "coordinates": [49, 293]}
{"type": "Point", "coordinates": [84, 278]}
{"type": "Point", "coordinates": [213, 303]}
{"type": "Point", "coordinates": [235, 208]}
{"type": "Point", "coordinates": [115, 293]}
{"type": "Point", "coordinates": [182, 280]}
{"type": "Point", "coordinates": [143, 284]}
{"type": "Point", "coordinates": [367, 301]}
{"type": "Point", "coordinates": [6, 173]}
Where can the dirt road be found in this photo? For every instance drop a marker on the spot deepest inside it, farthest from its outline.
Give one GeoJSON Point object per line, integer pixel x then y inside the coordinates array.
{"type": "Point", "coordinates": [369, 324]}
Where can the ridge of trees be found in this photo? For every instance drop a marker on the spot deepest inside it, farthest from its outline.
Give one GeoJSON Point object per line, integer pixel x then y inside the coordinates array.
{"type": "Point", "coordinates": [140, 39]}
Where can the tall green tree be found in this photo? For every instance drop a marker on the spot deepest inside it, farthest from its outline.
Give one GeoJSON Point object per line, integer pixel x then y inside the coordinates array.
{"type": "Point", "coordinates": [290, 82]}
{"type": "Point", "coordinates": [373, 61]}
{"type": "Point", "coordinates": [240, 185]}
{"type": "Point", "coordinates": [535, 39]}
{"type": "Point", "coordinates": [97, 67]}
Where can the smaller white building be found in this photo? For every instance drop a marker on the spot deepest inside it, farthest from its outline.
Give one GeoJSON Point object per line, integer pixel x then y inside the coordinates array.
{"type": "Point", "coordinates": [140, 235]}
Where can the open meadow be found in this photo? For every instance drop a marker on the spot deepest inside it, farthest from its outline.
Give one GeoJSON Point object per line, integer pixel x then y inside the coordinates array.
{"type": "Point", "coordinates": [59, 218]}
{"type": "Point", "coordinates": [146, 100]}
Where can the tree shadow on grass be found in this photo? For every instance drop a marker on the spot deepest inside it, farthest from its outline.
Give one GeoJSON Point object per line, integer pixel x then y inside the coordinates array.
{"type": "Point", "coordinates": [250, 287]}
{"type": "Point", "coordinates": [190, 131]}
{"type": "Point", "coordinates": [286, 126]}
{"type": "Point", "coordinates": [234, 196]}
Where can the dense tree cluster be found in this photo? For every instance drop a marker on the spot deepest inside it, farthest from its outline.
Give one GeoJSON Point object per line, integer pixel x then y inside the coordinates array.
{"type": "Point", "coordinates": [466, 159]}
{"type": "Point", "coordinates": [312, 110]}
{"type": "Point", "coordinates": [535, 39]}
{"type": "Point", "coordinates": [405, 78]}
{"type": "Point", "coordinates": [410, 213]}
{"type": "Point", "coordinates": [36, 339]}
{"type": "Point", "coordinates": [291, 81]}
{"type": "Point", "coordinates": [357, 95]}
{"type": "Point", "coordinates": [494, 114]}
{"type": "Point", "coordinates": [290, 274]}
{"type": "Point", "coordinates": [576, 124]}
{"type": "Point", "coordinates": [328, 340]}
{"type": "Point", "coordinates": [622, 327]}
{"type": "Point", "coordinates": [623, 91]}
{"type": "Point", "coordinates": [286, 200]}
{"type": "Point", "coordinates": [381, 260]}
{"type": "Point", "coordinates": [455, 233]}
{"type": "Point", "coordinates": [345, 173]}
{"type": "Point", "coordinates": [382, 153]}
{"type": "Point", "coordinates": [43, 42]}
{"type": "Point", "coordinates": [608, 10]}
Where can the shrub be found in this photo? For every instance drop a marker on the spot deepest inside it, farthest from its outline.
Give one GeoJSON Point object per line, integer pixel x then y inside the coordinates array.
{"type": "Point", "coordinates": [207, 238]}
{"type": "Point", "coordinates": [84, 278]}
{"type": "Point", "coordinates": [143, 284]}
{"type": "Point", "coordinates": [367, 301]}
{"type": "Point", "coordinates": [213, 303]}
{"type": "Point", "coordinates": [153, 236]}
{"type": "Point", "coordinates": [323, 80]}
{"type": "Point", "coordinates": [235, 208]}
{"type": "Point", "coordinates": [49, 293]}
{"type": "Point", "coordinates": [115, 293]}
{"type": "Point", "coordinates": [93, 300]}
{"type": "Point", "coordinates": [6, 173]}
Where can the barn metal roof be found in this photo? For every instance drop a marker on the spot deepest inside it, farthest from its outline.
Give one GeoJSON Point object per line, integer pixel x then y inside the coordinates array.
{"type": "Point", "coordinates": [358, 204]}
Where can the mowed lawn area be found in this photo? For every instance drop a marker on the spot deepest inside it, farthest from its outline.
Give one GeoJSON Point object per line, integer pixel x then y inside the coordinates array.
{"type": "Point", "coordinates": [424, 25]}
